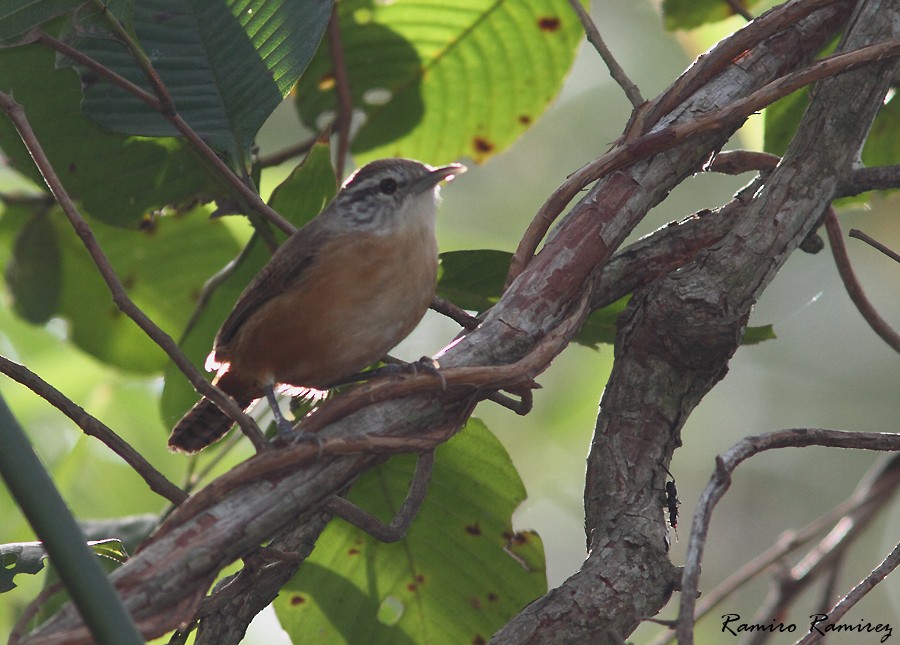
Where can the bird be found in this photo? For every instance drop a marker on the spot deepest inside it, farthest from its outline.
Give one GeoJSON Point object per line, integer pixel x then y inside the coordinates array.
{"type": "Point", "coordinates": [333, 299]}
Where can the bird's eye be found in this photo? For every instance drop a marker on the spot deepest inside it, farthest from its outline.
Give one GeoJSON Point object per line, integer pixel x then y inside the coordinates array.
{"type": "Point", "coordinates": [388, 186]}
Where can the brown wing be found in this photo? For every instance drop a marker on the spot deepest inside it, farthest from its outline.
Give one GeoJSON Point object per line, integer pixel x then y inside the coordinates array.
{"type": "Point", "coordinates": [287, 266]}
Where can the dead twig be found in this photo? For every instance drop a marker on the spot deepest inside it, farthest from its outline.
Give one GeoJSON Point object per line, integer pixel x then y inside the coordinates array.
{"type": "Point", "coordinates": [720, 481]}
{"type": "Point", "coordinates": [841, 258]}
{"type": "Point", "coordinates": [615, 70]}
{"type": "Point", "coordinates": [342, 88]}
{"type": "Point", "coordinates": [859, 235]}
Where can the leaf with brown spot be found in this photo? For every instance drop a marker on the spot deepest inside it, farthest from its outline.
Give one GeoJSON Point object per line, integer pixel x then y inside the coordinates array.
{"type": "Point", "coordinates": [450, 72]}
{"type": "Point", "coordinates": [473, 585]}
{"type": "Point", "coordinates": [549, 23]}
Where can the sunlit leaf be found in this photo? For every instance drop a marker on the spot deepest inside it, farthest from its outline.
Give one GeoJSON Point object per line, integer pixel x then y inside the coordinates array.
{"type": "Point", "coordinates": [417, 69]}
{"type": "Point", "coordinates": [458, 575]}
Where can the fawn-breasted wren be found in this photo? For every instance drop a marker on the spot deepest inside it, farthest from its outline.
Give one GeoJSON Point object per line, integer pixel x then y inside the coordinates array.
{"type": "Point", "coordinates": [334, 298]}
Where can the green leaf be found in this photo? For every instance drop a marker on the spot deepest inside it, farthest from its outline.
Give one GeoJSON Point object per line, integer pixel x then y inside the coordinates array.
{"type": "Point", "coordinates": [601, 325]}
{"type": "Point", "coordinates": [111, 549]}
{"type": "Point", "coordinates": [882, 146]}
{"type": "Point", "coordinates": [116, 536]}
{"type": "Point", "coordinates": [118, 179]}
{"type": "Point", "coordinates": [438, 80]}
{"type": "Point", "coordinates": [458, 575]}
{"type": "Point", "coordinates": [299, 198]}
{"type": "Point", "coordinates": [756, 335]}
{"type": "Point", "coordinates": [309, 187]}
{"type": "Point", "coordinates": [17, 558]}
{"type": "Point", "coordinates": [161, 267]}
{"type": "Point", "coordinates": [34, 273]}
{"type": "Point", "coordinates": [227, 65]}
{"type": "Point", "coordinates": [19, 16]}
{"type": "Point", "coordinates": [781, 121]}
{"type": "Point", "coordinates": [687, 14]}
{"type": "Point", "coordinates": [473, 280]}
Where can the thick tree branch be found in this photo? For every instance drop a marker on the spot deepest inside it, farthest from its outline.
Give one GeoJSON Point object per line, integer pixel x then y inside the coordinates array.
{"type": "Point", "coordinates": [713, 298]}
{"type": "Point", "coordinates": [291, 485]}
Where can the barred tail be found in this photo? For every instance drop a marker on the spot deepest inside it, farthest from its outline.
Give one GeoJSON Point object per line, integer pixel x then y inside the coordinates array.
{"type": "Point", "coordinates": [205, 423]}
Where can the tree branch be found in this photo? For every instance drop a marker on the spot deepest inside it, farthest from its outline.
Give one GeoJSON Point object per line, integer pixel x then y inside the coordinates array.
{"type": "Point", "coordinates": [721, 481]}
{"type": "Point", "coordinates": [668, 137]}
{"type": "Point", "coordinates": [16, 114]}
{"type": "Point", "coordinates": [615, 70]}
{"type": "Point", "coordinates": [162, 103]}
{"type": "Point", "coordinates": [854, 289]}
{"type": "Point", "coordinates": [94, 428]}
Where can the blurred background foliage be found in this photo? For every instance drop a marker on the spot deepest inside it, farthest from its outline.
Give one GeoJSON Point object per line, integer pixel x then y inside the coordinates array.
{"type": "Point", "coordinates": [825, 369]}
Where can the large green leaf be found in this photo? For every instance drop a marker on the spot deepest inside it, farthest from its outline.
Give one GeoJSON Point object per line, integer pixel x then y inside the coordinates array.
{"type": "Point", "coordinates": [473, 279]}
{"type": "Point", "coordinates": [227, 65]}
{"type": "Point", "coordinates": [438, 80]}
{"type": "Point", "coordinates": [19, 16]}
{"type": "Point", "coordinates": [458, 575]}
{"type": "Point", "coordinates": [117, 179]}
{"type": "Point", "coordinates": [161, 266]}
{"type": "Point", "coordinates": [299, 198]}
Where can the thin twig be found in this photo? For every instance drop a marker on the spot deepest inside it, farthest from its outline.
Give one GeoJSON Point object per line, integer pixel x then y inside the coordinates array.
{"type": "Point", "coordinates": [671, 136]}
{"type": "Point", "coordinates": [521, 407]}
{"type": "Point", "coordinates": [342, 88]}
{"type": "Point", "coordinates": [787, 543]}
{"type": "Point", "coordinates": [93, 427]}
{"type": "Point", "coordinates": [878, 324]}
{"type": "Point", "coordinates": [727, 52]}
{"type": "Point", "coordinates": [31, 611]}
{"type": "Point", "coordinates": [826, 557]}
{"type": "Point", "coordinates": [455, 313]}
{"type": "Point", "coordinates": [721, 480]}
{"type": "Point", "coordinates": [276, 158]}
{"type": "Point", "coordinates": [856, 594]}
{"type": "Point", "coordinates": [120, 297]}
{"type": "Point", "coordinates": [738, 7]}
{"type": "Point", "coordinates": [397, 528]}
{"type": "Point", "coordinates": [615, 70]}
{"type": "Point", "coordinates": [859, 235]}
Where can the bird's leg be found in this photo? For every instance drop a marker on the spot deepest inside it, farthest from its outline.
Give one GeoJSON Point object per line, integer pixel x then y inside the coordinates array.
{"type": "Point", "coordinates": [284, 427]}
{"type": "Point", "coordinates": [396, 529]}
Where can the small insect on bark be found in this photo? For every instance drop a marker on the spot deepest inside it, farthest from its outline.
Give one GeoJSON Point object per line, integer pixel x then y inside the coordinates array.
{"type": "Point", "coordinates": [672, 501]}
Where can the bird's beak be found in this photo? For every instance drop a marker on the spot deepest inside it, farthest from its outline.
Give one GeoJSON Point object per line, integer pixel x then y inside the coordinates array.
{"type": "Point", "coordinates": [439, 174]}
